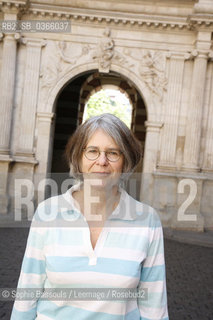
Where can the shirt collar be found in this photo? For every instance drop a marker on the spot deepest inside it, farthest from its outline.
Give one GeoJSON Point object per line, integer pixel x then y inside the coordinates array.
{"type": "Point", "coordinates": [122, 211]}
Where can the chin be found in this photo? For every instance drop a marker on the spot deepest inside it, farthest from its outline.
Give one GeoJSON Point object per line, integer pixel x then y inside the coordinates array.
{"type": "Point", "coordinates": [100, 180]}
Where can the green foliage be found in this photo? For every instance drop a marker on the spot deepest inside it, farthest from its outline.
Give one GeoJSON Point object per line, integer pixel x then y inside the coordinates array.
{"type": "Point", "coordinates": [101, 102]}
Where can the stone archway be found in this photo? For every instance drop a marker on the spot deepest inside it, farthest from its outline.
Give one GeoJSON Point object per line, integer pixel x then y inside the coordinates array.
{"type": "Point", "coordinates": [70, 106]}
{"type": "Point", "coordinates": [48, 104]}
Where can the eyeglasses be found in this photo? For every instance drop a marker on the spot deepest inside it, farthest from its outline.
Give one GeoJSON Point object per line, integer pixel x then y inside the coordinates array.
{"type": "Point", "coordinates": [92, 153]}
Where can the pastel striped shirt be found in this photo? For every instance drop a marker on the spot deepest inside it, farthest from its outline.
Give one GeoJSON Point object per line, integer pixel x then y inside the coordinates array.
{"type": "Point", "coordinates": [129, 254]}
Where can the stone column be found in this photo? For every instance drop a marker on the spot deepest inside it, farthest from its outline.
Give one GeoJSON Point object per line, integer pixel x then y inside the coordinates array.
{"type": "Point", "coordinates": [171, 112]}
{"type": "Point", "coordinates": [150, 159]}
{"type": "Point", "coordinates": [193, 126]}
{"type": "Point", "coordinates": [7, 81]}
{"type": "Point", "coordinates": [45, 135]}
{"type": "Point", "coordinates": [207, 165]}
{"type": "Point", "coordinates": [11, 11]}
{"type": "Point", "coordinates": [25, 146]}
{"type": "Point", "coordinates": [24, 156]}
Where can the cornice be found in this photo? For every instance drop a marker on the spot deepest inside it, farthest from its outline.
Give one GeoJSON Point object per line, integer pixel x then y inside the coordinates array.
{"type": "Point", "coordinates": [109, 17]}
{"type": "Point", "coordinates": [39, 11]}
{"type": "Point", "coordinates": [201, 20]}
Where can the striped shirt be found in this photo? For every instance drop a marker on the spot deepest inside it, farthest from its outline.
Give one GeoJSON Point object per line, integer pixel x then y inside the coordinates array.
{"type": "Point", "coordinates": [129, 254]}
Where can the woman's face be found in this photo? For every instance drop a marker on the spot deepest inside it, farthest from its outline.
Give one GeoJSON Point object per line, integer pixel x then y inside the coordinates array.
{"type": "Point", "coordinates": [102, 168]}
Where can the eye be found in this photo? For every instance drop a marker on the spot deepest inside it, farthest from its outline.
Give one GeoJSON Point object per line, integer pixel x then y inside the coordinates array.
{"type": "Point", "coordinates": [92, 150]}
{"type": "Point", "coordinates": [113, 153]}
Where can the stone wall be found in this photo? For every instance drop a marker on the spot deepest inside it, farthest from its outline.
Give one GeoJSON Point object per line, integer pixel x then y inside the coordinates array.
{"type": "Point", "coordinates": [163, 48]}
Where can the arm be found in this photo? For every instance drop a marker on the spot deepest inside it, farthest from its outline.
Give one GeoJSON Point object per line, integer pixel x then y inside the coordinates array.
{"type": "Point", "coordinates": [32, 273]}
{"type": "Point", "coordinates": [153, 277]}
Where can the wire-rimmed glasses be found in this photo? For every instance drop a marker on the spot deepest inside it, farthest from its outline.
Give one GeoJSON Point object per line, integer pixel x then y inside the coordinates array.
{"type": "Point", "coordinates": [93, 153]}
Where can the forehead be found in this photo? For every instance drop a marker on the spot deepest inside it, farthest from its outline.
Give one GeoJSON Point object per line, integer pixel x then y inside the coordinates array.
{"type": "Point", "coordinates": [100, 138]}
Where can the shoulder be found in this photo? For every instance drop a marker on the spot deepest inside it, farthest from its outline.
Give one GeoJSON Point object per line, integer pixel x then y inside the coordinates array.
{"type": "Point", "coordinates": [141, 212]}
{"type": "Point", "coordinates": [50, 209]}
{"type": "Point", "coordinates": [51, 202]}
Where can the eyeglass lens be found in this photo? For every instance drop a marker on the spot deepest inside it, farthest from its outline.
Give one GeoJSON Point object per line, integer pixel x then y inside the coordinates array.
{"type": "Point", "coordinates": [94, 153]}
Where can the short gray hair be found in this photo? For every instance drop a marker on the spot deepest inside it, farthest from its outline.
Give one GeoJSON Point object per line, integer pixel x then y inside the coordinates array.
{"type": "Point", "coordinates": [129, 145]}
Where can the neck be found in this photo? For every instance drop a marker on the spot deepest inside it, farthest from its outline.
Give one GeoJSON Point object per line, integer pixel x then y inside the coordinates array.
{"type": "Point", "coordinates": [104, 197]}
{"type": "Point", "coordinates": [99, 201]}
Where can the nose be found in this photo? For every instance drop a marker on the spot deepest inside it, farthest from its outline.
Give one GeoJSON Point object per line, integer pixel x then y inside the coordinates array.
{"type": "Point", "coordinates": [102, 159]}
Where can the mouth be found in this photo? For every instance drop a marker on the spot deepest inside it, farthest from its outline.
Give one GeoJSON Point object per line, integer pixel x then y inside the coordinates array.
{"type": "Point", "coordinates": [101, 173]}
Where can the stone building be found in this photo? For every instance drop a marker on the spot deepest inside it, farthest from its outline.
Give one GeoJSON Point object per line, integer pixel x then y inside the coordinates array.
{"type": "Point", "coordinates": [159, 53]}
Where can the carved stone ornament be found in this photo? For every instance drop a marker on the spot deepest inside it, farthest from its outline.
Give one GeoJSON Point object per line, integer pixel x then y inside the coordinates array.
{"type": "Point", "coordinates": [105, 51]}
{"type": "Point", "coordinates": [151, 67]}
{"type": "Point", "coordinates": [66, 55]}
{"type": "Point", "coordinates": [50, 65]}
{"type": "Point", "coordinates": [58, 58]}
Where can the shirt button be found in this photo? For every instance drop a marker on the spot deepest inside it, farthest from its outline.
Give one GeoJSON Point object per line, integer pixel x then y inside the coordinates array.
{"type": "Point", "coordinates": [92, 261]}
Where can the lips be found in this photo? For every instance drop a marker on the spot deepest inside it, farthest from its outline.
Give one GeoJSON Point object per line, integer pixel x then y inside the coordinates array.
{"type": "Point", "coordinates": [101, 173]}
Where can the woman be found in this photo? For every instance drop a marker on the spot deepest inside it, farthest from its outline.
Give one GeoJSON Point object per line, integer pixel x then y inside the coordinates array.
{"type": "Point", "coordinates": [102, 244]}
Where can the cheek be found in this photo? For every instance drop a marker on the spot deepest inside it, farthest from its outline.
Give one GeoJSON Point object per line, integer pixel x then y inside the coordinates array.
{"type": "Point", "coordinates": [84, 165]}
{"type": "Point", "coordinates": [119, 166]}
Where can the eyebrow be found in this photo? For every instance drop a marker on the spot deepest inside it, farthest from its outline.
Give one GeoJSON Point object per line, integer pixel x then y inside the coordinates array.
{"type": "Point", "coordinates": [106, 148]}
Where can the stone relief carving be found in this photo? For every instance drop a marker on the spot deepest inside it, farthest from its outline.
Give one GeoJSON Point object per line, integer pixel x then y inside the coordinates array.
{"type": "Point", "coordinates": [65, 52]}
{"type": "Point", "coordinates": [105, 53]}
{"type": "Point", "coordinates": [58, 58]}
{"type": "Point", "coordinates": [152, 70]}
{"type": "Point", "coordinates": [122, 59]}
{"type": "Point", "coordinates": [51, 66]}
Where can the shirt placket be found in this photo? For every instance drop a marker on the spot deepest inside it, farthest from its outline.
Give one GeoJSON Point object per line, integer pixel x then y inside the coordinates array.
{"type": "Point", "coordinates": [94, 253]}
{"type": "Point", "coordinates": [88, 247]}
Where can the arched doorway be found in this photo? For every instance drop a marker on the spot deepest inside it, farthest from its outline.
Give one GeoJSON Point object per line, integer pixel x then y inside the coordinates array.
{"type": "Point", "coordinates": [70, 107]}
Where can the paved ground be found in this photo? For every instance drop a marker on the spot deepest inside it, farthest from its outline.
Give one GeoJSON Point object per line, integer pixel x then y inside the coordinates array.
{"type": "Point", "coordinates": [189, 275]}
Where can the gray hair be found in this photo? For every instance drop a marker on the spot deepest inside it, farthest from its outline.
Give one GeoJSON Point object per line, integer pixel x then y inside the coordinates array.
{"type": "Point", "coordinates": [116, 129]}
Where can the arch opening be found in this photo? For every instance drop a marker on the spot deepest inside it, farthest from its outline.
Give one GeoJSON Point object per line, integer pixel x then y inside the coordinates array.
{"type": "Point", "coordinates": [109, 100]}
